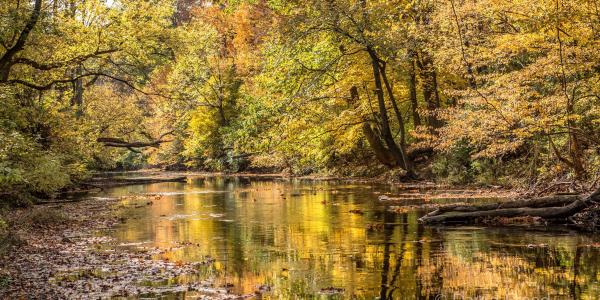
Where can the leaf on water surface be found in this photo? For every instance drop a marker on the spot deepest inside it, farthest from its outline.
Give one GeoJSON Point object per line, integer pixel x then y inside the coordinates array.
{"type": "Point", "coordinates": [331, 290]}
{"type": "Point", "coordinates": [537, 245]}
{"type": "Point", "coordinates": [177, 216]}
{"type": "Point", "coordinates": [263, 289]}
{"type": "Point", "coordinates": [356, 212]}
{"type": "Point", "coordinates": [375, 227]}
{"type": "Point", "coordinates": [73, 262]}
{"type": "Point", "coordinates": [176, 193]}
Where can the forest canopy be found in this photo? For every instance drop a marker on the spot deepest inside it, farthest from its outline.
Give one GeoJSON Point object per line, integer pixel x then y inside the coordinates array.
{"type": "Point", "coordinates": [486, 91]}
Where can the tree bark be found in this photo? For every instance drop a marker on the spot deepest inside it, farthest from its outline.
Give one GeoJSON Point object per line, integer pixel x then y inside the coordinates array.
{"type": "Point", "coordinates": [120, 143]}
{"type": "Point", "coordinates": [430, 89]}
{"type": "Point", "coordinates": [381, 152]}
{"type": "Point", "coordinates": [408, 165]}
{"type": "Point", "coordinates": [385, 124]}
{"type": "Point", "coordinates": [412, 88]}
{"type": "Point", "coordinates": [554, 207]}
{"type": "Point", "coordinates": [6, 61]}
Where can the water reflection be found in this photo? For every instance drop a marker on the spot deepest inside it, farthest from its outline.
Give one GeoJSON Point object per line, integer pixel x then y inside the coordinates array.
{"type": "Point", "coordinates": [300, 237]}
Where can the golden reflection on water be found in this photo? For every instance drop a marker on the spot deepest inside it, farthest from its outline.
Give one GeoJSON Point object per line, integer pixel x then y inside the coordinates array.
{"type": "Point", "coordinates": [300, 237]}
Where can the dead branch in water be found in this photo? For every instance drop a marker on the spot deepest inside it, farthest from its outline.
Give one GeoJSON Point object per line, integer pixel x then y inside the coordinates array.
{"type": "Point", "coordinates": [551, 207]}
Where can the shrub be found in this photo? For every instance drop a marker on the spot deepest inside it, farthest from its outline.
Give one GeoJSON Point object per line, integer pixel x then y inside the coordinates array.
{"type": "Point", "coordinates": [25, 168]}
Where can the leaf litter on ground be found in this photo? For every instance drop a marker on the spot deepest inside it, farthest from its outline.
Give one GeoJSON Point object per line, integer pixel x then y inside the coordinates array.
{"type": "Point", "coordinates": [70, 258]}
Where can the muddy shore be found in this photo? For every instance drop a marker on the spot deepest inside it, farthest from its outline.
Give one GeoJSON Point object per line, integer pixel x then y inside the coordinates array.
{"type": "Point", "coordinates": [58, 251]}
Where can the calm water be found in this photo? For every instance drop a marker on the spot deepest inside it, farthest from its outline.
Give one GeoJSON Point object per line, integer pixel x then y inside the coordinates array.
{"type": "Point", "coordinates": [300, 236]}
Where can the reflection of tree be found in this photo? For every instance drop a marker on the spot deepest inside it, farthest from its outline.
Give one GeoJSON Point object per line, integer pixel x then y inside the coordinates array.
{"type": "Point", "coordinates": [437, 282]}
{"type": "Point", "coordinates": [388, 287]}
{"type": "Point", "coordinates": [510, 265]}
{"type": "Point", "coordinates": [232, 243]}
{"type": "Point", "coordinates": [387, 236]}
{"type": "Point", "coordinates": [574, 286]}
{"type": "Point", "coordinates": [400, 255]}
{"type": "Point", "coordinates": [418, 259]}
{"type": "Point", "coordinates": [310, 241]}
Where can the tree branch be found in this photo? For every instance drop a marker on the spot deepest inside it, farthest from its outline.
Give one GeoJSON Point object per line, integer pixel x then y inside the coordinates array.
{"type": "Point", "coordinates": [6, 61]}
{"type": "Point", "coordinates": [120, 143]}
{"type": "Point", "coordinates": [50, 66]}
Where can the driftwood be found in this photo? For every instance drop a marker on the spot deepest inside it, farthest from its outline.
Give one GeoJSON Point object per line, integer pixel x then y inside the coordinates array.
{"type": "Point", "coordinates": [551, 207]}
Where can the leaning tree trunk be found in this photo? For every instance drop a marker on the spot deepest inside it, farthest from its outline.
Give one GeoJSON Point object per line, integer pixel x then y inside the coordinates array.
{"type": "Point", "coordinates": [382, 153]}
{"type": "Point", "coordinates": [408, 164]}
{"type": "Point", "coordinates": [552, 207]}
{"type": "Point", "coordinates": [386, 132]}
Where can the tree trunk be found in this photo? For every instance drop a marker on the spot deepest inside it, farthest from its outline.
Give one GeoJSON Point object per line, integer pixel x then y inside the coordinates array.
{"type": "Point", "coordinates": [408, 164]}
{"type": "Point", "coordinates": [106, 182]}
{"type": "Point", "coordinates": [399, 117]}
{"type": "Point", "coordinates": [576, 156]}
{"type": "Point", "coordinates": [412, 87]}
{"type": "Point", "coordinates": [77, 99]}
{"type": "Point", "coordinates": [575, 150]}
{"type": "Point", "coordinates": [120, 143]}
{"type": "Point", "coordinates": [385, 124]}
{"type": "Point", "coordinates": [381, 152]}
{"type": "Point", "coordinates": [554, 207]}
{"type": "Point", "coordinates": [430, 89]}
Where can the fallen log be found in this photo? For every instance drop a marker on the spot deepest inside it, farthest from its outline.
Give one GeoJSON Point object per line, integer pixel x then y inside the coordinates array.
{"type": "Point", "coordinates": [120, 143]}
{"type": "Point", "coordinates": [104, 182]}
{"type": "Point", "coordinates": [552, 207]}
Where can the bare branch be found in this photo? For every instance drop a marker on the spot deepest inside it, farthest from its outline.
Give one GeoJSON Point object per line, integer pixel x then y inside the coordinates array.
{"type": "Point", "coordinates": [50, 66]}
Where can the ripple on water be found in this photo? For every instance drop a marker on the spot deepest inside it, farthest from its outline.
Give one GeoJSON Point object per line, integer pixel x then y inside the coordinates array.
{"type": "Point", "coordinates": [311, 246]}
{"type": "Point", "coordinates": [177, 216]}
{"type": "Point", "coordinates": [176, 193]}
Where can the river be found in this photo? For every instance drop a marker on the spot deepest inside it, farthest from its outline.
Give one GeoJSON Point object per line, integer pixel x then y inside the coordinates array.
{"type": "Point", "coordinates": [300, 238]}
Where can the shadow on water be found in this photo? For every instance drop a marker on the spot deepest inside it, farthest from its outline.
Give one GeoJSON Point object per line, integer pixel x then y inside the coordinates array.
{"type": "Point", "coordinates": [307, 238]}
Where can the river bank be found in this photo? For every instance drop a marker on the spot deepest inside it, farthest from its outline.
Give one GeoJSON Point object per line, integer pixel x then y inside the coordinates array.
{"type": "Point", "coordinates": [62, 252]}
{"type": "Point", "coordinates": [238, 236]}
{"type": "Point", "coordinates": [417, 194]}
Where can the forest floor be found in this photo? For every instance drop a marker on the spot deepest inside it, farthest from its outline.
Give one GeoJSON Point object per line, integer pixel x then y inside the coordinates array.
{"type": "Point", "coordinates": [57, 251]}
